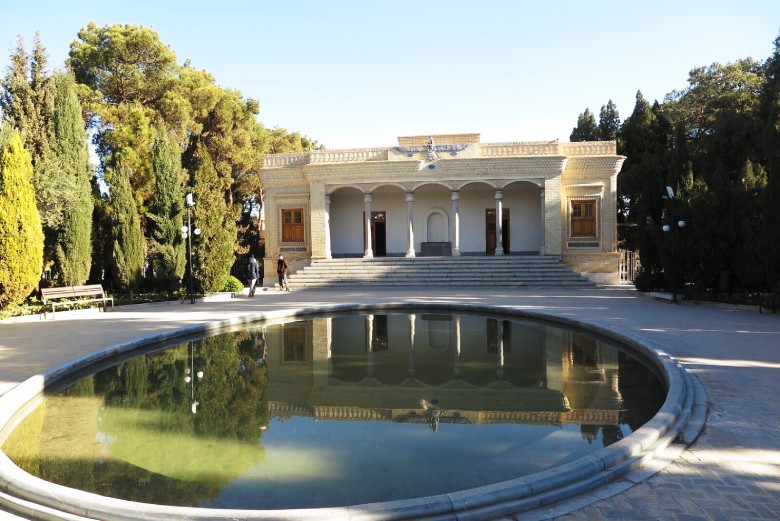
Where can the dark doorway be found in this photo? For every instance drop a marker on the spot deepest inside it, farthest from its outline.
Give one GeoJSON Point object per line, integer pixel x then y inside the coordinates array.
{"type": "Point", "coordinates": [490, 231]}
{"type": "Point", "coordinates": [378, 233]}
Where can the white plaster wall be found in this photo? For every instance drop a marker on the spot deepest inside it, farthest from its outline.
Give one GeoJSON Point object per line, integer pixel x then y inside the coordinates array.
{"type": "Point", "coordinates": [346, 222]}
{"type": "Point", "coordinates": [427, 198]}
{"type": "Point", "coordinates": [474, 200]}
{"type": "Point", "coordinates": [525, 212]}
{"type": "Point", "coordinates": [393, 203]}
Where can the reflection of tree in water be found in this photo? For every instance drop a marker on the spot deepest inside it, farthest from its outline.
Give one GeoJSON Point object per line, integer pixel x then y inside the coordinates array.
{"type": "Point", "coordinates": [643, 394]}
{"type": "Point", "coordinates": [146, 403]}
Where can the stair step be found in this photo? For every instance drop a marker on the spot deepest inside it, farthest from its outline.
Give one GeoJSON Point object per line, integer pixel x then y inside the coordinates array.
{"type": "Point", "coordinates": [456, 272]}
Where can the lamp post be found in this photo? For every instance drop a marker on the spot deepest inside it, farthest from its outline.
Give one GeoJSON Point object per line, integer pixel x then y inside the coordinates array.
{"type": "Point", "coordinates": [188, 379]}
{"type": "Point", "coordinates": [185, 233]}
{"type": "Point", "coordinates": [667, 228]}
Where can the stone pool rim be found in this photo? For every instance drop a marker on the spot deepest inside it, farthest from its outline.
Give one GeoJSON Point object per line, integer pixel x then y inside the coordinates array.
{"type": "Point", "coordinates": [681, 417]}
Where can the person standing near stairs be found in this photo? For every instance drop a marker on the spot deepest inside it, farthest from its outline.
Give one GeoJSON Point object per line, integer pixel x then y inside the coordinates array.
{"type": "Point", "coordinates": [281, 270]}
{"type": "Point", "coordinates": [253, 273]}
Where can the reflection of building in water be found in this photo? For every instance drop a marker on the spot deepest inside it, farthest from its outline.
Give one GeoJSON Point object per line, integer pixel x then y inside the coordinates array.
{"type": "Point", "coordinates": [472, 368]}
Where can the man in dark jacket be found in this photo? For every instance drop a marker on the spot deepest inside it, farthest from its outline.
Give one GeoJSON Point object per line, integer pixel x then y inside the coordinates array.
{"type": "Point", "coordinates": [281, 270]}
{"type": "Point", "coordinates": [252, 273]}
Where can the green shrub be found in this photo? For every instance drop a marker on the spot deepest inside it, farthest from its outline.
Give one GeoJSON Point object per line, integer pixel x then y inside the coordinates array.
{"type": "Point", "coordinates": [233, 285]}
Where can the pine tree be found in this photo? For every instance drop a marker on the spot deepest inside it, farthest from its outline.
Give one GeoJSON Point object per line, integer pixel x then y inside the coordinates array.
{"type": "Point", "coordinates": [586, 129]}
{"type": "Point", "coordinates": [213, 249]}
{"type": "Point", "coordinates": [70, 155]}
{"type": "Point", "coordinates": [770, 109]}
{"type": "Point", "coordinates": [21, 246]}
{"type": "Point", "coordinates": [609, 122]}
{"type": "Point", "coordinates": [27, 101]}
{"type": "Point", "coordinates": [128, 239]}
{"type": "Point", "coordinates": [167, 254]}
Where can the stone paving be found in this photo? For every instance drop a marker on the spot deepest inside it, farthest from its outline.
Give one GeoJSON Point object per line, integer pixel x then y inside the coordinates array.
{"type": "Point", "coordinates": [731, 472]}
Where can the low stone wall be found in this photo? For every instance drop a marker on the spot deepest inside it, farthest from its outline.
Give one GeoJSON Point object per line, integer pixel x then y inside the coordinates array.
{"type": "Point", "coordinates": [601, 268]}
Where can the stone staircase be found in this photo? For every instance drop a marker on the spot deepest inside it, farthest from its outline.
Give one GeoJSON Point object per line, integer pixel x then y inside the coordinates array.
{"type": "Point", "coordinates": [455, 272]}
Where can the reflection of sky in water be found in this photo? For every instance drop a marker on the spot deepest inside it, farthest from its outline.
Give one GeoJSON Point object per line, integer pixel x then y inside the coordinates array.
{"type": "Point", "coordinates": [316, 463]}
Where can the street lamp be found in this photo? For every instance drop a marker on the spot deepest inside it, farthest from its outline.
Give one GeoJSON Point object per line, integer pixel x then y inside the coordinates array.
{"type": "Point", "coordinates": [668, 228]}
{"type": "Point", "coordinates": [185, 234]}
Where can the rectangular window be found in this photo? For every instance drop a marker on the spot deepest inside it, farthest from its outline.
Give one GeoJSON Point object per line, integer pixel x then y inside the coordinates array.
{"type": "Point", "coordinates": [292, 225]}
{"type": "Point", "coordinates": [294, 344]}
{"type": "Point", "coordinates": [583, 218]}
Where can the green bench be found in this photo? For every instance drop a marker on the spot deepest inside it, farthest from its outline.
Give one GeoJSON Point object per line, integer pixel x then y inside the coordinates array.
{"type": "Point", "coordinates": [71, 295]}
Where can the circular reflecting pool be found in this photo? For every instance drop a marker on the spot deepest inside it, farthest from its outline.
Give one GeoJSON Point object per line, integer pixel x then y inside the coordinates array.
{"type": "Point", "coordinates": [338, 410]}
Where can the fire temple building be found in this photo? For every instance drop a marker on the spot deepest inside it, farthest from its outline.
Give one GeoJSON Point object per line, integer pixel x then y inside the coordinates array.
{"type": "Point", "coordinates": [440, 195]}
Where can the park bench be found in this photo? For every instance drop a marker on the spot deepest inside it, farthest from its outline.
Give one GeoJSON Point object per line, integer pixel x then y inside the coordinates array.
{"type": "Point", "coordinates": [71, 295]}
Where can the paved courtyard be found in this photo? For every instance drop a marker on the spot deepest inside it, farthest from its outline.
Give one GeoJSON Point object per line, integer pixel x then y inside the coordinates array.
{"type": "Point", "coordinates": [731, 472]}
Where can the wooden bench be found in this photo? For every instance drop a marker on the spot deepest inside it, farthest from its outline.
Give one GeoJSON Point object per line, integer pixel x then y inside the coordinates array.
{"type": "Point", "coordinates": [70, 295]}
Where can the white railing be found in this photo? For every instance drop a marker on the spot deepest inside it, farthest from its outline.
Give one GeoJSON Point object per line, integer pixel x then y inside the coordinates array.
{"type": "Point", "coordinates": [285, 160]}
{"type": "Point", "coordinates": [629, 263]}
{"type": "Point", "coordinates": [359, 155]}
{"type": "Point", "coordinates": [531, 148]}
{"type": "Point", "coordinates": [589, 148]}
{"type": "Point", "coordinates": [349, 156]}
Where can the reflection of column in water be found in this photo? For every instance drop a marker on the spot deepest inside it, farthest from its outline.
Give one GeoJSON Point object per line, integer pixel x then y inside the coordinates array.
{"type": "Point", "coordinates": [553, 354]}
{"type": "Point", "coordinates": [321, 332]}
{"type": "Point", "coordinates": [411, 344]}
{"type": "Point", "coordinates": [500, 342]}
{"type": "Point", "coordinates": [369, 345]}
{"type": "Point", "coordinates": [457, 371]}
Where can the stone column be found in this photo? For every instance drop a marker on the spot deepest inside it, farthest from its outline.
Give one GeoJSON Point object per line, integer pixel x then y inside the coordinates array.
{"type": "Point", "coordinates": [541, 200]}
{"type": "Point", "coordinates": [455, 223]}
{"type": "Point", "coordinates": [327, 228]}
{"type": "Point", "coordinates": [409, 225]}
{"type": "Point", "coordinates": [499, 223]}
{"type": "Point", "coordinates": [369, 253]}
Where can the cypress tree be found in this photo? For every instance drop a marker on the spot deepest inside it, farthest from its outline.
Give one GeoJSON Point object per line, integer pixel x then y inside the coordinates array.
{"type": "Point", "coordinates": [21, 246]}
{"type": "Point", "coordinates": [213, 249]}
{"type": "Point", "coordinates": [641, 185]}
{"type": "Point", "coordinates": [70, 155]}
{"type": "Point", "coordinates": [586, 129]}
{"type": "Point", "coordinates": [609, 122]}
{"type": "Point", "coordinates": [167, 253]}
{"type": "Point", "coordinates": [128, 239]}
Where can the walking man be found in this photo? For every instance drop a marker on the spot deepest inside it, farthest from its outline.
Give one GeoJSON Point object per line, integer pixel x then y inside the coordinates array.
{"type": "Point", "coordinates": [281, 270]}
{"type": "Point", "coordinates": [252, 273]}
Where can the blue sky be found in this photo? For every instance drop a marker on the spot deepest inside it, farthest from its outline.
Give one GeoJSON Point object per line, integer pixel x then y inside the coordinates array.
{"type": "Point", "coordinates": [359, 73]}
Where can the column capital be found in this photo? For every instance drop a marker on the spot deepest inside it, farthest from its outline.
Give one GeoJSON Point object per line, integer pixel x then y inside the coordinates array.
{"type": "Point", "coordinates": [455, 195]}
{"type": "Point", "coordinates": [327, 199]}
{"type": "Point", "coordinates": [367, 198]}
{"type": "Point", "coordinates": [409, 197]}
{"type": "Point", "coordinates": [499, 195]}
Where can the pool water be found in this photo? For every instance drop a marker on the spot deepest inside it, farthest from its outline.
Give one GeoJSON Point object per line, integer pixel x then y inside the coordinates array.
{"type": "Point", "coordinates": [339, 410]}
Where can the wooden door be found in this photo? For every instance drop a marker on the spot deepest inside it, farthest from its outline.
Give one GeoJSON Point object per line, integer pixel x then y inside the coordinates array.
{"type": "Point", "coordinates": [490, 230]}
